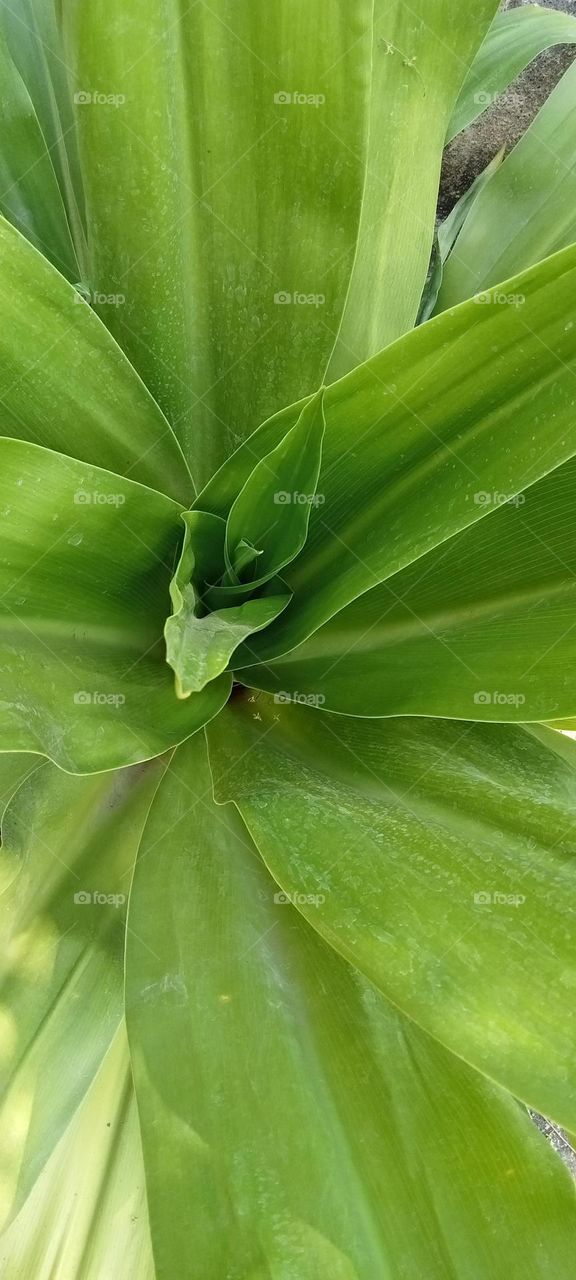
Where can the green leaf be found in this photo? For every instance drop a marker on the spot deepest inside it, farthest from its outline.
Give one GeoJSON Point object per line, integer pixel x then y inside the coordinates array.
{"type": "Point", "coordinates": [447, 234]}
{"type": "Point", "coordinates": [31, 31]}
{"type": "Point", "coordinates": [443, 857]}
{"type": "Point", "coordinates": [68, 850]}
{"type": "Point", "coordinates": [29, 192]}
{"type": "Point", "coordinates": [84, 575]}
{"type": "Point", "coordinates": [480, 628]}
{"type": "Point", "coordinates": [273, 508]}
{"type": "Point", "coordinates": [450, 228]}
{"type": "Point", "coordinates": [419, 57]}
{"type": "Point", "coordinates": [199, 648]}
{"type": "Point", "coordinates": [514, 39]}
{"type": "Point", "coordinates": [229, 314]}
{"type": "Point", "coordinates": [14, 769]}
{"type": "Point", "coordinates": [527, 210]}
{"type": "Point", "coordinates": [87, 1210]}
{"type": "Point", "coordinates": [199, 644]}
{"type": "Point", "coordinates": [480, 400]}
{"type": "Point", "coordinates": [65, 384]}
{"type": "Point", "coordinates": [304, 1128]}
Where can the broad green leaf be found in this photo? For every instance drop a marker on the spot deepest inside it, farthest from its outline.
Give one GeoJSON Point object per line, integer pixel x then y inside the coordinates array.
{"type": "Point", "coordinates": [68, 850]}
{"type": "Point", "coordinates": [479, 400]}
{"type": "Point", "coordinates": [514, 39]}
{"type": "Point", "coordinates": [86, 1215]}
{"type": "Point", "coordinates": [304, 1128]}
{"type": "Point", "coordinates": [232, 296]}
{"type": "Point", "coordinates": [272, 510]}
{"type": "Point", "coordinates": [438, 858]}
{"type": "Point", "coordinates": [528, 208]}
{"type": "Point", "coordinates": [65, 384]}
{"type": "Point", "coordinates": [14, 769]}
{"type": "Point", "coordinates": [481, 628]}
{"type": "Point", "coordinates": [29, 192]}
{"type": "Point", "coordinates": [420, 55]}
{"type": "Point", "coordinates": [31, 31]}
{"type": "Point", "coordinates": [86, 563]}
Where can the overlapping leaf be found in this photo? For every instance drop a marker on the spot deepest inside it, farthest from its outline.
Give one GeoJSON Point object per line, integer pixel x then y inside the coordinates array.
{"type": "Point", "coordinates": [301, 1128]}
{"type": "Point", "coordinates": [443, 855]}
{"type": "Point", "coordinates": [87, 1210]}
{"type": "Point", "coordinates": [528, 208]}
{"type": "Point", "coordinates": [29, 192]}
{"type": "Point", "coordinates": [309, 118]}
{"type": "Point", "coordinates": [514, 39]}
{"type": "Point", "coordinates": [232, 295]}
{"type": "Point", "coordinates": [84, 575]}
{"type": "Point", "coordinates": [482, 627]}
{"type": "Point", "coordinates": [65, 384]}
{"type": "Point", "coordinates": [68, 849]}
{"type": "Point", "coordinates": [31, 31]}
{"type": "Point", "coordinates": [481, 400]}
{"type": "Point", "coordinates": [420, 54]}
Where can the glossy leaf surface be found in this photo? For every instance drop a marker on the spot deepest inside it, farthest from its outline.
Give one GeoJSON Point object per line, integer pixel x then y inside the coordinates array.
{"type": "Point", "coordinates": [68, 850]}
{"type": "Point", "coordinates": [528, 208]}
{"type": "Point", "coordinates": [480, 628]}
{"type": "Point", "coordinates": [289, 1134]}
{"type": "Point", "coordinates": [66, 385]}
{"type": "Point", "coordinates": [29, 192]}
{"type": "Point", "coordinates": [84, 576]}
{"type": "Point", "coordinates": [88, 1207]}
{"type": "Point", "coordinates": [514, 39]}
{"type": "Point", "coordinates": [480, 400]}
{"type": "Point", "coordinates": [444, 857]}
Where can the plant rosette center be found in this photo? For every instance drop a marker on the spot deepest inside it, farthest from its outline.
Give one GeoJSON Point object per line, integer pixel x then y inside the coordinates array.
{"type": "Point", "coordinates": [227, 583]}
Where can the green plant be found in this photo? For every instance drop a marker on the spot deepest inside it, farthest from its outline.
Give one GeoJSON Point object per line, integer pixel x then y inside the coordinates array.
{"type": "Point", "coordinates": [237, 476]}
